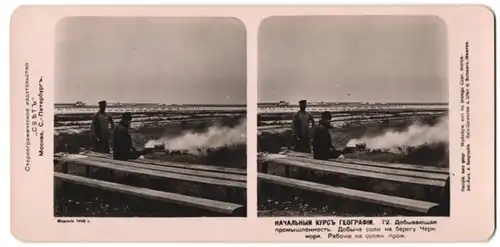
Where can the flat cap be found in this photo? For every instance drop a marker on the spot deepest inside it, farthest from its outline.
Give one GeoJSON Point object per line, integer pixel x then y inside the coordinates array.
{"type": "Point", "coordinates": [102, 102]}
{"type": "Point", "coordinates": [302, 101]}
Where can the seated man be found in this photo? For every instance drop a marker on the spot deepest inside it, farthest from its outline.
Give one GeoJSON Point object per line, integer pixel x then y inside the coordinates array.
{"type": "Point", "coordinates": [122, 141]}
{"type": "Point", "coordinates": [322, 140]}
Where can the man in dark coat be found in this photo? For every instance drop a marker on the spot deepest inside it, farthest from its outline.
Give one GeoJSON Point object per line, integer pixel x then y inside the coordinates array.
{"type": "Point", "coordinates": [322, 140]}
{"type": "Point", "coordinates": [122, 141]}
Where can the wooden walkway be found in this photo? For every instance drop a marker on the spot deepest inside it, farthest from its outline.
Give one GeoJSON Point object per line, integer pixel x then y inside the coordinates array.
{"type": "Point", "coordinates": [430, 180]}
{"type": "Point", "coordinates": [231, 180]}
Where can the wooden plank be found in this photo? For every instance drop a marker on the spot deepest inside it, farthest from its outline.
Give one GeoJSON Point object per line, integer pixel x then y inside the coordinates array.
{"type": "Point", "coordinates": [410, 167]}
{"type": "Point", "coordinates": [154, 173]}
{"type": "Point", "coordinates": [380, 199]}
{"type": "Point", "coordinates": [428, 175]}
{"type": "Point", "coordinates": [212, 205]}
{"type": "Point", "coordinates": [228, 170]}
{"type": "Point", "coordinates": [178, 164]}
{"type": "Point", "coordinates": [357, 173]}
{"type": "Point", "coordinates": [174, 170]}
{"type": "Point", "coordinates": [435, 169]}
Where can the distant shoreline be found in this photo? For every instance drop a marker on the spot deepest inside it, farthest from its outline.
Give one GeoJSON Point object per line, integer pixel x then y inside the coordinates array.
{"type": "Point", "coordinates": [359, 103]}
{"type": "Point", "coordinates": [263, 104]}
{"type": "Point", "coordinates": [124, 105]}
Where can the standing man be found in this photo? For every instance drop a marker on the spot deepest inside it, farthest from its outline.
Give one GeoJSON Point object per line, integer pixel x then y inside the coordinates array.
{"type": "Point", "coordinates": [300, 128]}
{"type": "Point", "coordinates": [122, 141]}
{"type": "Point", "coordinates": [101, 121]}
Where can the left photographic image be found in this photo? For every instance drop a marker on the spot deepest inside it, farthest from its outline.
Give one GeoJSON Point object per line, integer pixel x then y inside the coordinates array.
{"type": "Point", "coordinates": [150, 117]}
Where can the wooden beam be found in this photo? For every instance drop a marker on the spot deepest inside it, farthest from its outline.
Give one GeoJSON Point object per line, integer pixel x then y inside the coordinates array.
{"type": "Point", "coordinates": [214, 168]}
{"type": "Point", "coordinates": [410, 167]}
{"type": "Point", "coordinates": [211, 205]}
{"type": "Point", "coordinates": [428, 175]}
{"type": "Point", "coordinates": [380, 199]}
{"type": "Point", "coordinates": [168, 175]}
{"type": "Point", "coordinates": [234, 177]}
{"type": "Point", "coordinates": [356, 173]}
{"type": "Point", "coordinates": [178, 164]}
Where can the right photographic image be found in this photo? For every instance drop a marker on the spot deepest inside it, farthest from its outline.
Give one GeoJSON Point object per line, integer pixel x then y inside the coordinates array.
{"type": "Point", "coordinates": [353, 116]}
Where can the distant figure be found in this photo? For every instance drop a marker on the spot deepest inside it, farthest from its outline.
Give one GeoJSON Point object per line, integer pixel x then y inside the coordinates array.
{"type": "Point", "coordinates": [101, 121]}
{"type": "Point", "coordinates": [122, 141]}
{"type": "Point", "coordinates": [322, 140]}
{"type": "Point", "coordinates": [300, 128]}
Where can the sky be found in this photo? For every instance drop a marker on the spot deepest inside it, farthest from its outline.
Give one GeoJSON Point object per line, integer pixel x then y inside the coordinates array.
{"type": "Point", "coordinates": [353, 58]}
{"type": "Point", "coordinates": [170, 60]}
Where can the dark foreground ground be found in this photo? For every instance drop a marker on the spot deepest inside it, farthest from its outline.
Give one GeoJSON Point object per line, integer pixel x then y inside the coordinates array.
{"type": "Point", "coordinates": [78, 201]}
{"type": "Point", "coordinates": [274, 200]}
{"type": "Point", "coordinates": [277, 201]}
{"type": "Point", "coordinates": [74, 201]}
